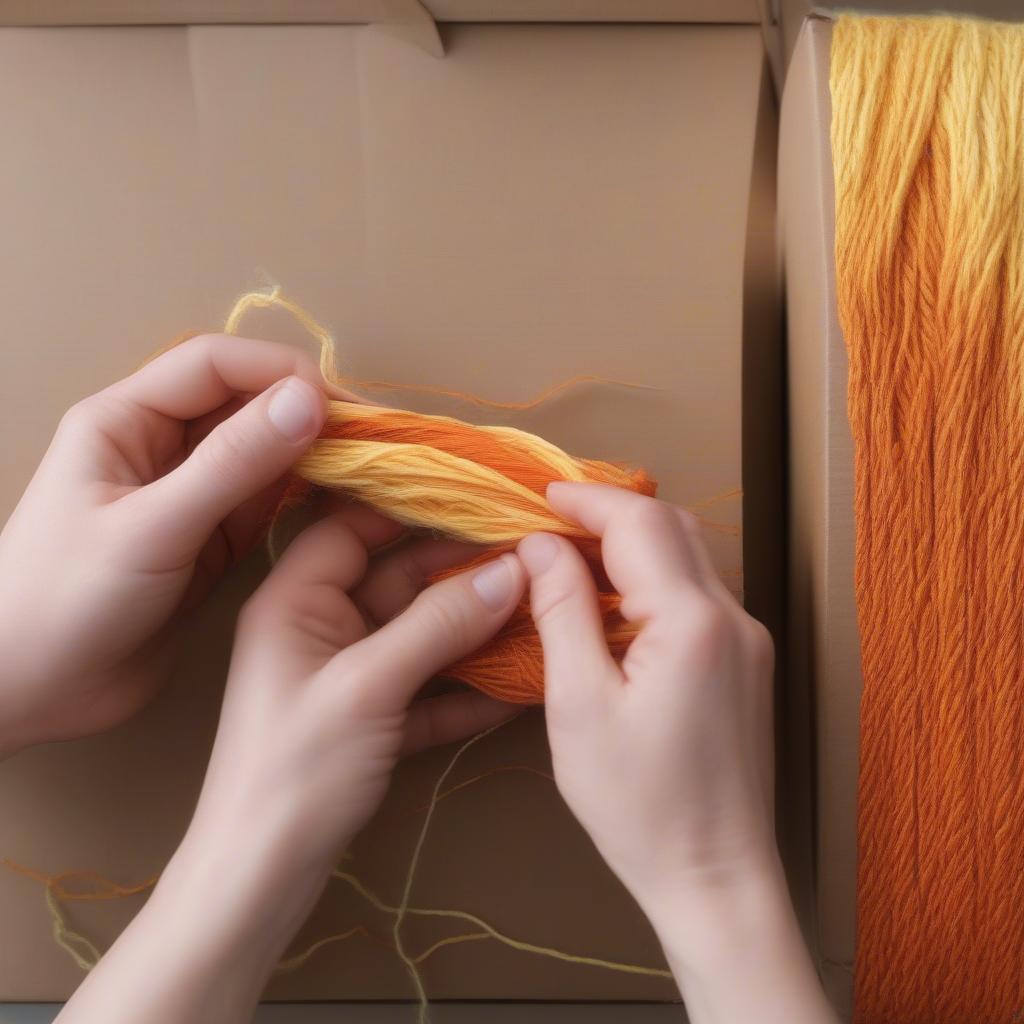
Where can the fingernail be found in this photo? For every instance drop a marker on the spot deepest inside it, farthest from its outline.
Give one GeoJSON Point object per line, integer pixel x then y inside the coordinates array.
{"type": "Point", "coordinates": [494, 584]}
{"type": "Point", "coordinates": [537, 552]}
{"type": "Point", "coordinates": [292, 410]}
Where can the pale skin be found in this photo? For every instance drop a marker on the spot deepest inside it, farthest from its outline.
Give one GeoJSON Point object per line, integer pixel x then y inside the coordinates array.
{"type": "Point", "coordinates": [148, 493]}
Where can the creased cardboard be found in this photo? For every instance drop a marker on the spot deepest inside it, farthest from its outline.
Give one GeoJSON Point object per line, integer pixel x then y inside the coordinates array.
{"type": "Point", "coordinates": [543, 201]}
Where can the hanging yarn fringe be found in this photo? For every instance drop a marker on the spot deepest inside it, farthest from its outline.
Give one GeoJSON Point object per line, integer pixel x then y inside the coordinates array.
{"type": "Point", "coordinates": [482, 484]}
{"type": "Point", "coordinates": [928, 152]}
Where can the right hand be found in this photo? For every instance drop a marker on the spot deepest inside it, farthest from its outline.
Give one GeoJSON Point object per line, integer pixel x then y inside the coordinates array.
{"type": "Point", "coordinates": [666, 760]}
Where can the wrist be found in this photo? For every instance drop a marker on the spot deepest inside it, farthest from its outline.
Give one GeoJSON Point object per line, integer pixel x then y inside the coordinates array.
{"type": "Point", "coordinates": [250, 902]}
{"type": "Point", "coordinates": [205, 943]}
{"type": "Point", "coordinates": [706, 921]}
{"type": "Point", "coordinates": [736, 949]}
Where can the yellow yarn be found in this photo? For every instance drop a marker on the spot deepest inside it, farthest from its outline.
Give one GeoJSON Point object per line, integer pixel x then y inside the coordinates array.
{"type": "Point", "coordinates": [275, 299]}
{"type": "Point", "coordinates": [85, 953]}
{"type": "Point", "coordinates": [436, 492]}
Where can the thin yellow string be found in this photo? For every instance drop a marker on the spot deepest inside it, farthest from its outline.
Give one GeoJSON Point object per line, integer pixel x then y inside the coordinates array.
{"type": "Point", "coordinates": [292, 963]}
{"type": "Point", "coordinates": [500, 769]}
{"type": "Point", "coordinates": [452, 940]}
{"type": "Point", "coordinates": [403, 906]}
{"type": "Point", "coordinates": [74, 942]}
{"type": "Point", "coordinates": [68, 939]}
{"type": "Point", "coordinates": [274, 299]}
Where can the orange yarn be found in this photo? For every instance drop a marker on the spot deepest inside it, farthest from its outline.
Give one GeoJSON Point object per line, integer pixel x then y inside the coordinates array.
{"type": "Point", "coordinates": [483, 484]}
{"type": "Point", "coordinates": [928, 151]}
{"type": "Point", "coordinates": [511, 666]}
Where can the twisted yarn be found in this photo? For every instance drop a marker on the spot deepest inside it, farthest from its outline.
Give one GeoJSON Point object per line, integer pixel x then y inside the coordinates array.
{"type": "Point", "coordinates": [928, 150]}
{"type": "Point", "coordinates": [482, 484]}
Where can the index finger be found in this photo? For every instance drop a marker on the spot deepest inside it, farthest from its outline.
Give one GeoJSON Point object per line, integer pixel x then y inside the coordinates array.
{"type": "Point", "coordinates": [201, 374]}
{"type": "Point", "coordinates": [645, 545]}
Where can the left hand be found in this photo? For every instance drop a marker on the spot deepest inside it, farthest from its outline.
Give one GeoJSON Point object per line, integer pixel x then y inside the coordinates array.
{"type": "Point", "coordinates": [149, 490]}
{"type": "Point", "coordinates": [319, 701]}
{"type": "Point", "coordinates": [318, 709]}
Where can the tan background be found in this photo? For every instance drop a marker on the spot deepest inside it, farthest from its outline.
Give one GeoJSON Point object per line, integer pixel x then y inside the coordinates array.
{"type": "Point", "coordinates": [543, 201]}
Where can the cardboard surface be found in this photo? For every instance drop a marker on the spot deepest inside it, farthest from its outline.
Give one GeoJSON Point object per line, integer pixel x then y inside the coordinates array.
{"type": "Point", "coordinates": [824, 642]}
{"type": "Point", "coordinates": [542, 202]}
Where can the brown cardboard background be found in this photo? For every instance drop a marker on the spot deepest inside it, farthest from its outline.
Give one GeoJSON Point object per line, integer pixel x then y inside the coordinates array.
{"type": "Point", "coordinates": [542, 202]}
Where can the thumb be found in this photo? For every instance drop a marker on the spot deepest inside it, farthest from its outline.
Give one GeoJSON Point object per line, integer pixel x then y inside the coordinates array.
{"type": "Point", "coordinates": [444, 623]}
{"type": "Point", "coordinates": [237, 460]}
{"type": "Point", "coordinates": [563, 601]}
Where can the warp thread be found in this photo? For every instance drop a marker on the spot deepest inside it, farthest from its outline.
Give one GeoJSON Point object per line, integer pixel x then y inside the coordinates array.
{"type": "Point", "coordinates": [928, 152]}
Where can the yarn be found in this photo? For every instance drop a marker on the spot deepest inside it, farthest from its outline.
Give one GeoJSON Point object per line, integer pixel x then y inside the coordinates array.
{"type": "Point", "coordinates": [482, 484]}
{"type": "Point", "coordinates": [58, 890]}
{"type": "Point", "coordinates": [928, 151]}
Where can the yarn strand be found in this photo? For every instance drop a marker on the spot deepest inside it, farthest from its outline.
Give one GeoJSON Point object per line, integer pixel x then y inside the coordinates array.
{"type": "Point", "coordinates": [86, 955]}
{"type": "Point", "coordinates": [928, 153]}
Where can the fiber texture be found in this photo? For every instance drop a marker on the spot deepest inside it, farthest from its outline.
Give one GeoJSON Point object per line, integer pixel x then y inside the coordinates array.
{"type": "Point", "coordinates": [928, 151]}
{"type": "Point", "coordinates": [481, 484]}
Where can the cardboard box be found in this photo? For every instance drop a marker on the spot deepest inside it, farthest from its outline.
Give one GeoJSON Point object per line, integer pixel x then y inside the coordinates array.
{"type": "Point", "coordinates": [542, 200]}
{"type": "Point", "coordinates": [824, 663]}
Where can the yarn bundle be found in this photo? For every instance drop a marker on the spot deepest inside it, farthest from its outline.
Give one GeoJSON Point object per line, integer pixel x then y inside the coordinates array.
{"type": "Point", "coordinates": [480, 484]}
{"type": "Point", "coordinates": [928, 151]}
{"type": "Point", "coordinates": [484, 485]}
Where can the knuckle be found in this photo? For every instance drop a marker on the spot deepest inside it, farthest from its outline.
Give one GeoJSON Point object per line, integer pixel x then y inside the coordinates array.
{"type": "Point", "coordinates": [360, 693]}
{"type": "Point", "coordinates": [652, 515]}
{"type": "Point", "coordinates": [705, 627]}
{"type": "Point", "coordinates": [760, 642]}
{"type": "Point", "coordinates": [104, 411]}
{"type": "Point", "coordinates": [208, 341]}
{"type": "Point", "coordinates": [306, 366]}
{"type": "Point", "coordinates": [81, 416]}
{"type": "Point", "coordinates": [228, 453]}
{"type": "Point", "coordinates": [549, 604]}
{"type": "Point", "coordinates": [442, 615]}
{"type": "Point", "coordinates": [690, 520]}
{"type": "Point", "coordinates": [255, 615]}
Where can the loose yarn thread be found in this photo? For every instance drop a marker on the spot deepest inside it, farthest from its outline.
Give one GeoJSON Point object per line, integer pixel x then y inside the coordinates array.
{"type": "Point", "coordinates": [928, 151]}
{"type": "Point", "coordinates": [86, 954]}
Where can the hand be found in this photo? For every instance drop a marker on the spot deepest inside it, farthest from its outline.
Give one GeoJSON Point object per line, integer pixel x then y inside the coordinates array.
{"type": "Point", "coordinates": [317, 706]}
{"type": "Point", "coordinates": [316, 714]}
{"type": "Point", "coordinates": [149, 490]}
{"type": "Point", "coordinates": [667, 759]}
